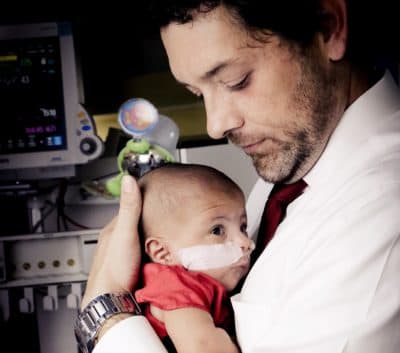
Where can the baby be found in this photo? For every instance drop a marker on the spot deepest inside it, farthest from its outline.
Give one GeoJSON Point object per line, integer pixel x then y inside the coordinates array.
{"type": "Point", "coordinates": [194, 228]}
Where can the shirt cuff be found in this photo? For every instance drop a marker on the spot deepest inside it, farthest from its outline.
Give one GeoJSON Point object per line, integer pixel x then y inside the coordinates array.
{"type": "Point", "coordinates": [131, 335]}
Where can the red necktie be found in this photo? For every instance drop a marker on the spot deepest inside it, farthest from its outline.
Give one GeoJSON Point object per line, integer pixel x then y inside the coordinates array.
{"type": "Point", "coordinates": [275, 211]}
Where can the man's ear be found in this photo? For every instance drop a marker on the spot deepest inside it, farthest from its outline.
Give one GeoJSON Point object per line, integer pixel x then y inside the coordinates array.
{"type": "Point", "coordinates": [335, 28]}
{"type": "Point", "coordinates": [158, 251]}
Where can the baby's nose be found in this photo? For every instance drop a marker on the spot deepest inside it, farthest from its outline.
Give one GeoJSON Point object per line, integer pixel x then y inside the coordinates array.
{"type": "Point", "coordinates": [246, 244]}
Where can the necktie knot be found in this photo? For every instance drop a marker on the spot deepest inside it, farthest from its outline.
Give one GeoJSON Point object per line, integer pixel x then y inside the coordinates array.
{"type": "Point", "coordinates": [286, 193]}
{"type": "Point", "coordinates": [279, 198]}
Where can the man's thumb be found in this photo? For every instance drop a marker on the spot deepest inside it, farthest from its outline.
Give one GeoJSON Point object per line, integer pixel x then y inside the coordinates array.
{"type": "Point", "coordinates": [129, 207]}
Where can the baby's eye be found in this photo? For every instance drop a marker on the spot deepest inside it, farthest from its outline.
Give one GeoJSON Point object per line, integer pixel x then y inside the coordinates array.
{"type": "Point", "coordinates": [243, 228]}
{"type": "Point", "coordinates": [218, 230]}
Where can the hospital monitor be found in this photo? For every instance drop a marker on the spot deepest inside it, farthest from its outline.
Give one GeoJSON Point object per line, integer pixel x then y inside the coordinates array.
{"type": "Point", "coordinates": [45, 132]}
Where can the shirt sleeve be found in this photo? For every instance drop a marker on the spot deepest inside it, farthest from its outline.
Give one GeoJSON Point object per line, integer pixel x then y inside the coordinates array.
{"type": "Point", "coordinates": [172, 287]}
{"type": "Point", "coordinates": [131, 335]}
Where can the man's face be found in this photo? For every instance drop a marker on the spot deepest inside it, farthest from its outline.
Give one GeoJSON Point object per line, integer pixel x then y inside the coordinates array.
{"type": "Point", "coordinates": [279, 106]}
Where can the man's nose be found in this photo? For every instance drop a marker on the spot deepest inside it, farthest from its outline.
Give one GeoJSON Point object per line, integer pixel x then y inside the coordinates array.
{"type": "Point", "coordinates": [221, 117]}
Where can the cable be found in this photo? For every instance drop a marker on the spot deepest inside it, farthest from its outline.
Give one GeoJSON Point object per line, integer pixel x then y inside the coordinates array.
{"type": "Point", "coordinates": [63, 220]}
{"type": "Point", "coordinates": [60, 202]}
{"type": "Point", "coordinates": [70, 220]}
{"type": "Point", "coordinates": [40, 222]}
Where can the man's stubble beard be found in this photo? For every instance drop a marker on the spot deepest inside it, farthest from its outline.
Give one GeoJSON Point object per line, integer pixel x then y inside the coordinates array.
{"type": "Point", "coordinates": [281, 165]}
{"type": "Point", "coordinates": [313, 98]}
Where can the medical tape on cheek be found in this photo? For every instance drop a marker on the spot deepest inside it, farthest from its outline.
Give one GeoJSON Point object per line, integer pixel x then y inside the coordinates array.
{"type": "Point", "coordinates": [207, 257]}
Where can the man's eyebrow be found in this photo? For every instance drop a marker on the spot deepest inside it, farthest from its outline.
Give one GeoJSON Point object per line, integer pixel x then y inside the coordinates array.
{"type": "Point", "coordinates": [218, 68]}
{"type": "Point", "coordinates": [212, 72]}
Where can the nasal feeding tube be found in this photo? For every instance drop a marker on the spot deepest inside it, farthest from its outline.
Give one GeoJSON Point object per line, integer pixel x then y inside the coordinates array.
{"type": "Point", "coordinates": [211, 256]}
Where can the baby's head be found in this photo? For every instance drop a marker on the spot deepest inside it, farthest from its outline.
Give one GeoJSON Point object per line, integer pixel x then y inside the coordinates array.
{"type": "Point", "coordinates": [194, 215]}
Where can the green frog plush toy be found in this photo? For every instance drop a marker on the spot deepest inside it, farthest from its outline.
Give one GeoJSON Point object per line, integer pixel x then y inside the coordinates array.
{"type": "Point", "coordinates": [153, 143]}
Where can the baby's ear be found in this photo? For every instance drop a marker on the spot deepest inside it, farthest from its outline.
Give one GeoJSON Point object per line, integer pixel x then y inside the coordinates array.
{"type": "Point", "coordinates": [158, 251]}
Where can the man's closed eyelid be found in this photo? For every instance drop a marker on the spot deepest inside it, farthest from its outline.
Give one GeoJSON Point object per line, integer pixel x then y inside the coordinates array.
{"type": "Point", "coordinates": [240, 84]}
{"type": "Point", "coordinates": [234, 82]}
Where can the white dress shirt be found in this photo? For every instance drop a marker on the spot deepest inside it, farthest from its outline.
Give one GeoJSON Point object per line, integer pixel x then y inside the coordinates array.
{"type": "Point", "coordinates": [329, 281]}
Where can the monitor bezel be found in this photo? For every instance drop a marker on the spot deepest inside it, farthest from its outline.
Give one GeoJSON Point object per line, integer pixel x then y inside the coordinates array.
{"type": "Point", "coordinates": [72, 154]}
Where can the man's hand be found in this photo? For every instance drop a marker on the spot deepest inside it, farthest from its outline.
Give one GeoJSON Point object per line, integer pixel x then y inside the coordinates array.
{"type": "Point", "coordinates": [116, 262]}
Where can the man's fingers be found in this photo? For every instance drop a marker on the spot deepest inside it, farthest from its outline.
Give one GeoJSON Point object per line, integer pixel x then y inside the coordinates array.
{"type": "Point", "coordinates": [103, 240]}
{"type": "Point", "coordinates": [130, 207]}
{"type": "Point", "coordinates": [107, 230]}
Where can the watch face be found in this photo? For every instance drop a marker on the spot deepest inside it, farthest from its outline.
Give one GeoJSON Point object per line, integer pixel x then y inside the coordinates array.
{"type": "Point", "coordinates": [137, 117]}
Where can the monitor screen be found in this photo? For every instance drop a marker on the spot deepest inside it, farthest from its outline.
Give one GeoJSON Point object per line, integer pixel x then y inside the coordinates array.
{"type": "Point", "coordinates": [32, 94]}
{"type": "Point", "coordinates": [44, 124]}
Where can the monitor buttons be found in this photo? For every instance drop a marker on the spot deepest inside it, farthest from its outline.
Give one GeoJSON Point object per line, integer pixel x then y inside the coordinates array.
{"type": "Point", "coordinates": [88, 146]}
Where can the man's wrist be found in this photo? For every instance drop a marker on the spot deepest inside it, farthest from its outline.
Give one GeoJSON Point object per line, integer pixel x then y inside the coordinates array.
{"type": "Point", "coordinates": [109, 323]}
{"type": "Point", "coordinates": [100, 312]}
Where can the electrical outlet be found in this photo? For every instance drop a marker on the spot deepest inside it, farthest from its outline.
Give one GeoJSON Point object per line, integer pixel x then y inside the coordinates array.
{"type": "Point", "coordinates": [46, 258]}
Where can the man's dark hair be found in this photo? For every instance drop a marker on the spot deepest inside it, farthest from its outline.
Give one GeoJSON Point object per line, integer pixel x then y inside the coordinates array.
{"type": "Point", "coordinates": [372, 31]}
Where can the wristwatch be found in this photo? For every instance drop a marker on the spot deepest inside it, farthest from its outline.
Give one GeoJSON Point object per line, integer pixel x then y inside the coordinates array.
{"type": "Point", "coordinates": [101, 308]}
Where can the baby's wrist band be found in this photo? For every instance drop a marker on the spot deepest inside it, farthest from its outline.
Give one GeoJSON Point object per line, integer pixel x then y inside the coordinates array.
{"type": "Point", "coordinates": [92, 318]}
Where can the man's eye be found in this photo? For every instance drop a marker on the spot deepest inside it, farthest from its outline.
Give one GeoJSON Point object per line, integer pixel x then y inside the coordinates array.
{"type": "Point", "coordinates": [241, 84]}
{"type": "Point", "coordinates": [218, 230]}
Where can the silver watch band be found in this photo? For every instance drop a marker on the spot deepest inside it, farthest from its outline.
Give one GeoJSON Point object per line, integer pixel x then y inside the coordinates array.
{"type": "Point", "coordinates": [101, 308]}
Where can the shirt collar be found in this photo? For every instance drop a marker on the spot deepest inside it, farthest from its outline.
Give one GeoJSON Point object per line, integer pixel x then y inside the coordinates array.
{"type": "Point", "coordinates": [357, 124]}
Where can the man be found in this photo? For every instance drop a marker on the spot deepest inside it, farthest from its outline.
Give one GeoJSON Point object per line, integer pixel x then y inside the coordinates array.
{"type": "Point", "coordinates": [294, 89]}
